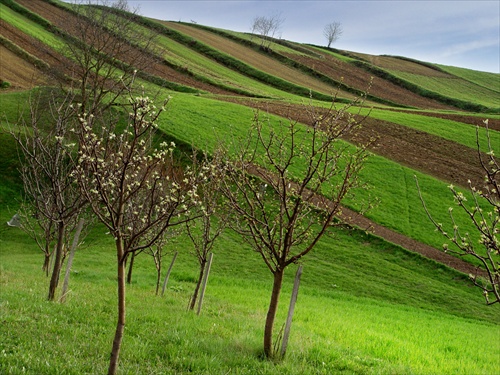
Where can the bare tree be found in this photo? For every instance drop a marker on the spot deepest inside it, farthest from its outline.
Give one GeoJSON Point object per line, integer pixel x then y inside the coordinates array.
{"type": "Point", "coordinates": [211, 219]}
{"type": "Point", "coordinates": [267, 28]}
{"type": "Point", "coordinates": [485, 221]}
{"type": "Point", "coordinates": [332, 32]}
{"type": "Point", "coordinates": [285, 189]}
{"type": "Point", "coordinates": [105, 43]}
{"type": "Point", "coordinates": [53, 202]}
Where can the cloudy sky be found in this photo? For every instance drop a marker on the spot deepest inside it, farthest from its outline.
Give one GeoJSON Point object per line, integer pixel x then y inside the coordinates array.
{"type": "Point", "coordinates": [459, 33]}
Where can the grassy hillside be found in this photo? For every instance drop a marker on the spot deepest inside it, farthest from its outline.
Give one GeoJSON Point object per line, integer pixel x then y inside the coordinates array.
{"type": "Point", "coordinates": [366, 305]}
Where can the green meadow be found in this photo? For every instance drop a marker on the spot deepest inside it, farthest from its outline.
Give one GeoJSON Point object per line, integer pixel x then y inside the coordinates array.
{"type": "Point", "coordinates": [364, 307]}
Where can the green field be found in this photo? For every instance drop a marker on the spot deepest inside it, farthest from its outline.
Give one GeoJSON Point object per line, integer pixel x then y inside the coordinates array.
{"type": "Point", "coordinates": [489, 80]}
{"type": "Point", "coordinates": [365, 307]}
{"type": "Point", "coordinates": [30, 27]}
{"type": "Point", "coordinates": [454, 87]}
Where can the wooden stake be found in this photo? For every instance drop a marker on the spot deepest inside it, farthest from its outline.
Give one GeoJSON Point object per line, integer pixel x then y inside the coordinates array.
{"type": "Point", "coordinates": [168, 274]}
{"type": "Point", "coordinates": [204, 284]}
{"type": "Point", "coordinates": [293, 299]}
{"type": "Point", "coordinates": [72, 251]}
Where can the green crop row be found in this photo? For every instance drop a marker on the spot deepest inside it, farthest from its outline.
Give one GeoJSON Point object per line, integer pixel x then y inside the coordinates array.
{"type": "Point", "coordinates": [416, 88]}
{"type": "Point", "coordinates": [296, 65]}
{"type": "Point", "coordinates": [490, 81]}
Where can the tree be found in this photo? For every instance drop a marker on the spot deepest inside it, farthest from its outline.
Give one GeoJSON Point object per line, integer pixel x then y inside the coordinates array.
{"type": "Point", "coordinates": [105, 43]}
{"type": "Point", "coordinates": [210, 222]}
{"type": "Point", "coordinates": [53, 203]}
{"type": "Point", "coordinates": [267, 28]}
{"type": "Point", "coordinates": [131, 188]}
{"type": "Point", "coordinates": [485, 221]}
{"type": "Point", "coordinates": [332, 32]}
{"type": "Point", "coordinates": [285, 187]}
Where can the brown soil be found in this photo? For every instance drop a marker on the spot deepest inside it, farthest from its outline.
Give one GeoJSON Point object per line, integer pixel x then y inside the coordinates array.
{"type": "Point", "coordinates": [360, 79]}
{"type": "Point", "coordinates": [65, 21]}
{"type": "Point", "coordinates": [33, 46]}
{"type": "Point", "coordinates": [430, 154]}
{"type": "Point", "coordinates": [18, 72]}
{"type": "Point", "coordinates": [255, 59]}
{"type": "Point", "coordinates": [402, 65]}
{"type": "Point", "coordinates": [493, 124]}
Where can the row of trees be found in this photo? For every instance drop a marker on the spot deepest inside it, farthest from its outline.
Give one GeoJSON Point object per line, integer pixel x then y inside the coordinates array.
{"type": "Point", "coordinates": [269, 27]}
{"type": "Point", "coordinates": [94, 151]}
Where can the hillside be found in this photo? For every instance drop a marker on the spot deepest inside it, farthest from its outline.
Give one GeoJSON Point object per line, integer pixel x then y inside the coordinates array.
{"type": "Point", "coordinates": [423, 118]}
{"type": "Point", "coordinates": [203, 60]}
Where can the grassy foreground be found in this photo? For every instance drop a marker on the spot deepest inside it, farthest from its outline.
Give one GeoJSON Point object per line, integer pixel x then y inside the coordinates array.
{"type": "Point", "coordinates": [365, 307]}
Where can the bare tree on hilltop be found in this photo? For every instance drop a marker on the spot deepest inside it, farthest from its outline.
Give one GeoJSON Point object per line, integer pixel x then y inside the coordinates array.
{"type": "Point", "coordinates": [267, 28]}
{"type": "Point", "coordinates": [332, 32]}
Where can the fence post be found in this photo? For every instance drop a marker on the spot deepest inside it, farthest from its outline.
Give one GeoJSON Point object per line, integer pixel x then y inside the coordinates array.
{"type": "Point", "coordinates": [72, 251]}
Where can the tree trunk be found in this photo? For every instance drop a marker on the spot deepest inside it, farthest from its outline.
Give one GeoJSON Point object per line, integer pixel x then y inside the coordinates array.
{"type": "Point", "coordinates": [271, 313]}
{"type": "Point", "coordinates": [54, 280]}
{"type": "Point", "coordinates": [130, 268]}
{"type": "Point", "coordinates": [204, 282]}
{"type": "Point", "coordinates": [120, 325]}
{"type": "Point", "coordinates": [198, 284]}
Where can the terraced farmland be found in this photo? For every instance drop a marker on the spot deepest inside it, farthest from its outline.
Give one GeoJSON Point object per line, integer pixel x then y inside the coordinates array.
{"type": "Point", "coordinates": [421, 119]}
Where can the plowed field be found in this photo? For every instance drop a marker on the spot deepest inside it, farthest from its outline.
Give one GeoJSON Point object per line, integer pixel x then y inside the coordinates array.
{"type": "Point", "coordinates": [438, 157]}
{"type": "Point", "coordinates": [66, 21]}
{"type": "Point", "coordinates": [360, 79]}
{"type": "Point", "coordinates": [19, 73]}
{"type": "Point", "coordinates": [255, 59]}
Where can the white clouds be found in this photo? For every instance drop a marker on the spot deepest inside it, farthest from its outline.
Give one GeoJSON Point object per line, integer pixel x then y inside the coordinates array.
{"type": "Point", "coordinates": [461, 48]}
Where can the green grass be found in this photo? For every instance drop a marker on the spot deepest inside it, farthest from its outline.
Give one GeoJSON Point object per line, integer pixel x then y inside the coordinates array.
{"type": "Point", "coordinates": [364, 307]}
{"type": "Point", "coordinates": [197, 63]}
{"type": "Point", "coordinates": [488, 80]}
{"type": "Point", "coordinates": [194, 120]}
{"type": "Point", "coordinates": [204, 122]}
{"type": "Point", "coordinates": [454, 87]}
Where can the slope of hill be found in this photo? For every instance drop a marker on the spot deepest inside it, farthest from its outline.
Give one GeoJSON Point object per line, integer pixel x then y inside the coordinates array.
{"type": "Point", "coordinates": [424, 118]}
{"type": "Point", "coordinates": [204, 60]}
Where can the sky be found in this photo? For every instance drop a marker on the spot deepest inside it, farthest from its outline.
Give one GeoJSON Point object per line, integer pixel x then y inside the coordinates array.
{"type": "Point", "coordinates": [459, 33]}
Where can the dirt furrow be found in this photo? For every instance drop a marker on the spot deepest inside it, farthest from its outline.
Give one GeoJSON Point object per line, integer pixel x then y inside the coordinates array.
{"type": "Point", "coordinates": [446, 160]}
